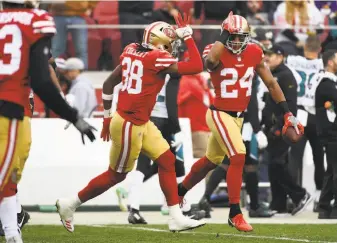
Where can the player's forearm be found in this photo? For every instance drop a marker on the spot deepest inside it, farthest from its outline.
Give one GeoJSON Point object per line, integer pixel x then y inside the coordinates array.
{"type": "Point", "coordinates": [278, 96]}
{"type": "Point", "coordinates": [213, 58]}
{"type": "Point", "coordinates": [54, 78]}
{"type": "Point", "coordinates": [108, 89]}
{"type": "Point", "coordinates": [194, 64]}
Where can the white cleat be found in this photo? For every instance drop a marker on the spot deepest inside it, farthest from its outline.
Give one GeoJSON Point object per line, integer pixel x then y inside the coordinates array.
{"type": "Point", "coordinates": [66, 212]}
{"type": "Point", "coordinates": [122, 196]}
{"type": "Point", "coordinates": [14, 239]}
{"type": "Point", "coordinates": [184, 223]}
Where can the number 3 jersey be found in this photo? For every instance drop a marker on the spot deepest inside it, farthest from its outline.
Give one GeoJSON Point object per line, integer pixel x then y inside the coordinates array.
{"type": "Point", "coordinates": [232, 79]}
{"type": "Point", "coordinates": [307, 83]}
{"type": "Point", "coordinates": [141, 82]}
{"type": "Point", "coordinates": [19, 30]}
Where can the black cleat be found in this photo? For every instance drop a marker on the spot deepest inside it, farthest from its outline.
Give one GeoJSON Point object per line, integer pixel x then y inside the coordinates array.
{"type": "Point", "coordinates": [302, 204]}
{"type": "Point", "coordinates": [205, 206]}
{"type": "Point", "coordinates": [261, 212]}
{"type": "Point", "coordinates": [23, 219]}
{"type": "Point", "coordinates": [135, 217]}
{"type": "Point", "coordinates": [195, 214]}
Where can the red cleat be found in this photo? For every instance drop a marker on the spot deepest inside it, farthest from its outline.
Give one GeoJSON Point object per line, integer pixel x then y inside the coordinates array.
{"type": "Point", "coordinates": [240, 223]}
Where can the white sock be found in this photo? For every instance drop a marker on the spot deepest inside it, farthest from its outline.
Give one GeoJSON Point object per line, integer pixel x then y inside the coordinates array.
{"type": "Point", "coordinates": [18, 204]}
{"type": "Point", "coordinates": [317, 195]}
{"type": "Point", "coordinates": [76, 202]}
{"type": "Point", "coordinates": [135, 189]}
{"type": "Point", "coordinates": [175, 211]}
{"type": "Point", "coordinates": [8, 217]}
{"type": "Point", "coordinates": [186, 205]}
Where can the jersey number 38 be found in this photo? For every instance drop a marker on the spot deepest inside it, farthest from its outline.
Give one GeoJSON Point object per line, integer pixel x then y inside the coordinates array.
{"type": "Point", "coordinates": [132, 75]}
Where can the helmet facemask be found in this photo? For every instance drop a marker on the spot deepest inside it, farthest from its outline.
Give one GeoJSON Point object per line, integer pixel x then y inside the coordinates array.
{"type": "Point", "coordinates": [237, 42]}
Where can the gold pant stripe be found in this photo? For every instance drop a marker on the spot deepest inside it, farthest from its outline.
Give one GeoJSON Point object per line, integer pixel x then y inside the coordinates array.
{"type": "Point", "coordinates": [223, 132]}
{"type": "Point", "coordinates": [126, 146]}
{"type": "Point", "coordinates": [9, 153]}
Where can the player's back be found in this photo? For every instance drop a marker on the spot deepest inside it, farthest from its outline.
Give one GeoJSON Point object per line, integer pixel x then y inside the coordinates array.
{"type": "Point", "coordinates": [141, 81]}
{"type": "Point", "coordinates": [232, 79]}
{"type": "Point", "coordinates": [19, 30]}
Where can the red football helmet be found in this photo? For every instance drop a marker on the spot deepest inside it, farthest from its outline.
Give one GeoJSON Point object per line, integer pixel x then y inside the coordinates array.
{"type": "Point", "coordinates": [239, 32]}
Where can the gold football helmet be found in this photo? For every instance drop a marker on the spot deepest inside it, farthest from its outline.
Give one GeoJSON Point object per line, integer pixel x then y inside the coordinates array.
{"type": "Point", "coordinates": [239, 32]}
{"type": "Point", "coordinates": [160, 35]}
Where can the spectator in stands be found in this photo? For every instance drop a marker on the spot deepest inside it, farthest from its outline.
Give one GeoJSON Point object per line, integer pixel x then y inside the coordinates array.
{"type": "Point", "coordinates": [134, 12]}
{"type": "Point", "coordinates": [256, 14]}
{"type": "Point", "coordinates": [166, 13]}
{"type": "Point", "coordinates": [296, 20]}
{"type": "Point", "coordinates": [71, 13]}
{"type": "Point", "coordinates": [194, 98]}
{"type": "Point", "coordinates": [82, 93]}
{"type": "Point", "coordinates": [214, 13]}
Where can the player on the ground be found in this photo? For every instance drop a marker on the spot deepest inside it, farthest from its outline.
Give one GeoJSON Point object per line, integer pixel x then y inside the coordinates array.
{"type": "Point", "coordinates": [25, 35]}
{"type": "Point", "coordinates": [142, 71]}
{"type": "Point", "coordinates": [232, 61]}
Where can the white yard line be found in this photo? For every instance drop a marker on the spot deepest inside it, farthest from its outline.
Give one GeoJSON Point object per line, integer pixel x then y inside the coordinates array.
{"type": "Point", "coordinates": [221, 234]}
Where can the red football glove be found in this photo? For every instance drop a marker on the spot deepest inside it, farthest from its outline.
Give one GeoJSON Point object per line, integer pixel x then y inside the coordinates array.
{"type": "Point", "coordinates": [291, 120]}
{"type": "Point", "coordinates": [182, 22]}
{"type": "Point", "coordinates": [105, 133]}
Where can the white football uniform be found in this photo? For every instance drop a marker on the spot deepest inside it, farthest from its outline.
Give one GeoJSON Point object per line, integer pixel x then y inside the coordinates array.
{"type": "Point", "coordinates": [160, 109]}
{"type": "Point", "coordinates": [306, 84]}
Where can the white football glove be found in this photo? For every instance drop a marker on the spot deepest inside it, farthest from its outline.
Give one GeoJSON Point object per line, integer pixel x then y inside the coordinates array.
{"type": "Point", "coordinates": [178, 139]}
{"type": "Point", "coordinates": [184, 32]}
{"type": "Point", "coordinates": [262, 140]}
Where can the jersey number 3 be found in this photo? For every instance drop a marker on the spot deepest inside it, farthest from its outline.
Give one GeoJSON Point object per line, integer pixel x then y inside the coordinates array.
{"type": "Point", "coordinates": [132, 73]}
{"type": "Point", "coordinates": [11, 48]}
{"type": "Point", "coordinates": [245, 82]}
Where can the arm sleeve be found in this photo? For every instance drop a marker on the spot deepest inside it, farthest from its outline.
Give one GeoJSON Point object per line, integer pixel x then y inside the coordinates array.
{"type": "Point", "coordinates": [288, 85]}
{"type": "Point", "coordinates": [164, 60]}
{"type": "Point", "coordinates": [253, 110]}
{"type": "Point", "coordinates": [41, 81]}
{"type": "Point", "coordinates": [329, 91]}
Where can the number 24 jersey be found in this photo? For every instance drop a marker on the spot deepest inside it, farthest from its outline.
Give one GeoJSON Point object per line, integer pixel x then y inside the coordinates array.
{"type": "Point", "coordinates": [232, 79]}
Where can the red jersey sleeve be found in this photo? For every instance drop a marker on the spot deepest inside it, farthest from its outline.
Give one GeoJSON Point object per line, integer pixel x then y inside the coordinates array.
{"type": "Point", "coordinates": [163, 60]}
{"type": "Point", "coordinates": [42, 25]}
{"type": "Point", "coordinates": [258, 53]}
{"type": "Point", "coordinates": [207, 50]}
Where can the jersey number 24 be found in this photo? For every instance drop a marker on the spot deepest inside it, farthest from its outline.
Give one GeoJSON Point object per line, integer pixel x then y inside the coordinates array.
{"type": "Point", "coordinates": [245, 82]}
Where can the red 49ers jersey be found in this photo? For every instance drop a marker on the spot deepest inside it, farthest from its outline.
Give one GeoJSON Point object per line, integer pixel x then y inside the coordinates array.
{"type": "Point", "coordinates": [141, 82]}
{"type": "Point", "coordinates": [19, 30]}
{"type": "Point", "coordinates": [232, 79]}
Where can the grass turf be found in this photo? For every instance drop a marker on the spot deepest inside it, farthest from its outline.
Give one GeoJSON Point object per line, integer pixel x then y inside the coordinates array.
{"type": "Point", "coordinates": [208, 233]}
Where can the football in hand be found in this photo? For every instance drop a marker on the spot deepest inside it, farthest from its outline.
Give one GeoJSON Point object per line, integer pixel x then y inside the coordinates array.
{"type": "Point", "coordinates": [290, 136]}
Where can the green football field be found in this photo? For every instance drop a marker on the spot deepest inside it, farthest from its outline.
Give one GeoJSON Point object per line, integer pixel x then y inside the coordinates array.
{"type": "Point", "coordinates": [159, 234]}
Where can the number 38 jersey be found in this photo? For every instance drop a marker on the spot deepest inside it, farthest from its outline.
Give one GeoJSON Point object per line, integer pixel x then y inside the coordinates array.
{"type": "Point", "coordinates": [19, 30]}
{"type": "Point", "coordinates": [232, 79]}
{"type": "Point", "coordinates": [141, 82]}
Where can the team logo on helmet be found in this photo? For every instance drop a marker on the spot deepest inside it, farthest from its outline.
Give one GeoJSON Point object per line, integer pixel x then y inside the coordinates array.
{"type": "Point", "coordinates": [169, 32]}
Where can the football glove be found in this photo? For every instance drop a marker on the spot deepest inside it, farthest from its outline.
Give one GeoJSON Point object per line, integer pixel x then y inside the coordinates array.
{"type": "Point", "coordinates": [178, 139]}
{"type": "Point", "coordinates": [183, 30]}
{"type": "Point", "coordinates": [291, 120]}
{"type": "Point", "coordinates": [85, 129]}
{"type": "Point", "coordinates": [105, 133]}
{"type": "Point", "coordinates": [262, 140]}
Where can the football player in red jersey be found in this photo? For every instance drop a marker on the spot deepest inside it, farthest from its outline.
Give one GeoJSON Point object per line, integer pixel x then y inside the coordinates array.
{"type": "Point", "coordinates": [142, 70]}
{"type": "Point", "coordinates": [231, 61]}
{"type": "Point", "coordinates": [25, 37]}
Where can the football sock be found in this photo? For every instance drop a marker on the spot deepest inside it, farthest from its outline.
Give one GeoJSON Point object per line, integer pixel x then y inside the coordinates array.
{"type": "Point", "coordinates": [216, 177]}
{"type": "Point", "coordinates": [8, 216]}
{"type": "Point", "coordinates": [100, 184]}
{"type": "Point", "coordinates": [252, 188]}
{"type": "Point", "coordinates": [198, 172]}
{"type": "Point", "coordinates": [186, 206]}
{"type": "Point", "coordinates": [135, 189]}
{"type": "Point", "coordinates": [234, 178]}
{"type": "Point", "coordinates": [167, 177]}
{"type": "Point", "coordinates": [234, 210]}
{"type": "Point", "coordinates": [18, 204]}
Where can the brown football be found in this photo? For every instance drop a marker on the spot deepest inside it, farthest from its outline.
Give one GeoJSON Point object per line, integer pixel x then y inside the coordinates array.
{"type": "Point", "coordinates": [291, 136]}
